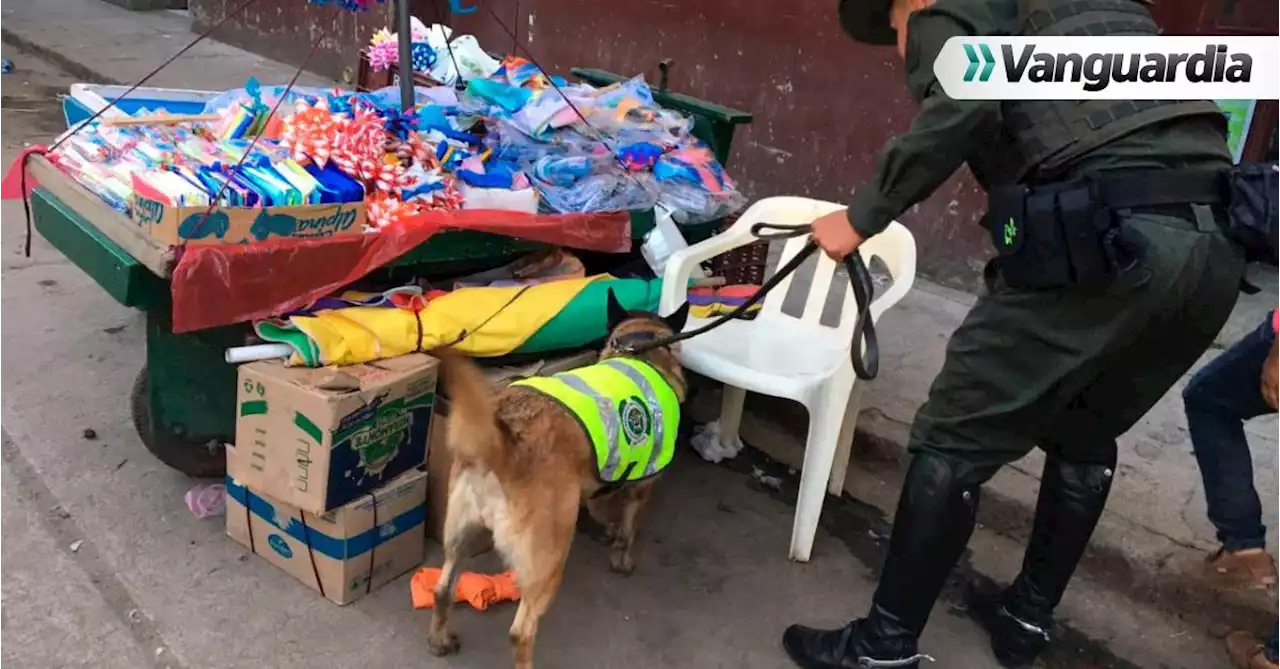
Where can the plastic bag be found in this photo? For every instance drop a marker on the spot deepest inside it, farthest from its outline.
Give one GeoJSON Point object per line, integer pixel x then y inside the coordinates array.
{"type": "Point", "coordinates": [389, 97]}
{"type": "Point", "coordinates": [269, 95]}
{"type": "Point", "coordinates": [628, 106]}
{"type": "Point", "coordinates": [511, 144]}
{"type": "Point", "coordinates": [15, 185]}
{"type": "Point", "coordinates": [610, 191]}
{"type": "Point", "coordinates": [460, 53]}
{"type": "Point", "coordinates": [207, 501]}
{"type": "Point", "coordinates": [693, 184]}
{"type": "Point", "coordinates": [692, 205]}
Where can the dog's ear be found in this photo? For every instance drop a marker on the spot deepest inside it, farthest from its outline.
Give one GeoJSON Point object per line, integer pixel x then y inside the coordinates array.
{"type": "Point", "coordinates": [617, 312]}
{"type": "Point", "coordinates": [677, 319]}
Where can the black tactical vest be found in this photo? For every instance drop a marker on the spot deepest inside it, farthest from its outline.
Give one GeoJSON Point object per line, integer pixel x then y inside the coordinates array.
{"type": "Point", "coordinates": [1048, 135]}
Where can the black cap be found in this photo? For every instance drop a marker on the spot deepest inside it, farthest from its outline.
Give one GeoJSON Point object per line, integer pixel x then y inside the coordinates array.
{"type": "Point", "coordinates": [868, 21]}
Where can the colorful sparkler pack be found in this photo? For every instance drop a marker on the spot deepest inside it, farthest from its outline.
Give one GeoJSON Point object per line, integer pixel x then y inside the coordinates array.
{"type": "Point", "coordinates": [189, 165]}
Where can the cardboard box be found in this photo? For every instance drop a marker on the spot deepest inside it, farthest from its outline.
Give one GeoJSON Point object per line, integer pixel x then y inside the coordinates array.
{"type": "Point", "coordinates": [439, 463]}
{"type": "Point", "coordinates": [320, 438]}
{"type": "Point", "coordinates": [343, 554]}
{"type": "Point", "coordinates": [440, 460]}
{"type": "Point", "coordinates": [235, 225]}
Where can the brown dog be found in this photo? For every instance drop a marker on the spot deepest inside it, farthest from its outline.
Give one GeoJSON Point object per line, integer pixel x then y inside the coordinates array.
{"type": "Point", "coordinates": [523, 465]}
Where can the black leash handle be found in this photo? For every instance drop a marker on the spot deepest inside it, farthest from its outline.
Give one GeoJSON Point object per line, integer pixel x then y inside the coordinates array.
{"type": "Point", "coordinates": [864, 351]}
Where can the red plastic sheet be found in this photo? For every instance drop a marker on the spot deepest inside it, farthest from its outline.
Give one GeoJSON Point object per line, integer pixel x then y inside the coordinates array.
{"type": "Point", "coordinates": [232, 283]}
{"type": "Point", "coordinates": [11, 185]}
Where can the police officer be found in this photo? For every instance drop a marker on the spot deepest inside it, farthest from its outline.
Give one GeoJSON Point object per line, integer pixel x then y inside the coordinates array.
{"type": "Point", "coordinates": [1111, 277]}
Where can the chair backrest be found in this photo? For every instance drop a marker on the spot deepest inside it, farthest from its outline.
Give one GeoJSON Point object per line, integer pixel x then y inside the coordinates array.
{"type": "Point", "coordinates": [895, 247]}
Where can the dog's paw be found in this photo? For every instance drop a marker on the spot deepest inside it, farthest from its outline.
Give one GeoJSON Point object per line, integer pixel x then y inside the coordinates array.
{"type": "Point", "coordinates": [443, 644]}
{"type": "Point", "coordinates": [621, 562]}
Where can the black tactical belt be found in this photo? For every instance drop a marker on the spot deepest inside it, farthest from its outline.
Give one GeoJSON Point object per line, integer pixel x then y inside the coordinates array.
{"type": "Point", "coordinates": [1067, 234]}
{"type": "Point", "coordinates": [1125, 190]}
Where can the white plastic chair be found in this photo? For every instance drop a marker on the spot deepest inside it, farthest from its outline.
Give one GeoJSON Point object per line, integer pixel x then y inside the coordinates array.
{"type": "Point", "coordinates": [792, 356]}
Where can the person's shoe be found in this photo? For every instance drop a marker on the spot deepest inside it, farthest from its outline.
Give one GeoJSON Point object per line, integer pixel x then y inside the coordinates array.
{"type": "Point", "coordinates": [1246, 653]}
{"type": "Point", "coordinates": [837, 649]}
{"type": "Point", "coordinates": [1250, 569]}
{"type": "Point", "coordinates": [1016, 642]}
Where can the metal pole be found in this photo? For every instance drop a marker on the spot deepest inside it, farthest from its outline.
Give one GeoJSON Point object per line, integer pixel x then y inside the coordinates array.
{"type": "Point", "coordinates": [406, 55]}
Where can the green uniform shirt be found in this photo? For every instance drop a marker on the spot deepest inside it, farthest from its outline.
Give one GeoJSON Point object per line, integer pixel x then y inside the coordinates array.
{"type": "Point", "coordinates": [947, 133]}
{"type": "Point", "coordinates": [628, 410]}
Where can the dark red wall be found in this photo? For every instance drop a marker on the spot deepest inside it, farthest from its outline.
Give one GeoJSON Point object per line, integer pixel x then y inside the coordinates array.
{"type": "Point", "coordinates": [285, 29]}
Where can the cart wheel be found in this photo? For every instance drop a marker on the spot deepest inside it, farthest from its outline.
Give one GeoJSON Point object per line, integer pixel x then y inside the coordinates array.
{"type": "Point", "coordinates": [198, 459]}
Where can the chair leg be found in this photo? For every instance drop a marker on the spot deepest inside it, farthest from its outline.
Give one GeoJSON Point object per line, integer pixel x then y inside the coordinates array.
{"type": "Point", "coordinates": [844, 446]}
{"type": "Point", "coordinates": [825, 417]}
{"type": "Point", "coordinates": [731, 401]}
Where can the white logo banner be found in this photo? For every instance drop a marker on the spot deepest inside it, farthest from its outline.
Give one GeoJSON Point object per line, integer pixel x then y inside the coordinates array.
{"type": "Point", "coordinates": [1110, 68]}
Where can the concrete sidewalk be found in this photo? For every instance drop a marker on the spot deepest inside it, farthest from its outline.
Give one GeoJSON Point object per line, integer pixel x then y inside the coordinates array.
{"type": "Point", "coordinates": [102, 43]}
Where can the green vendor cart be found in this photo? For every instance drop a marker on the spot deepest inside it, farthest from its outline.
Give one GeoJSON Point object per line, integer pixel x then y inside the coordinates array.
{"type": "Point", "coordinates": [183, 400]}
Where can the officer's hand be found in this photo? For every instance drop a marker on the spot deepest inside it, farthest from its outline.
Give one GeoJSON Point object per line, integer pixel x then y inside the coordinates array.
{"type": "Point", "coordinates": [1269, 377]}
{"type": "Point", "coordinates": [834, 234]}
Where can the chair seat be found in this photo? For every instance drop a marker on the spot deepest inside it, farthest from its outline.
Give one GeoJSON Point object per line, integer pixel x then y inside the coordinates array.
{"type": "Point", "coordinates": [792, 355]}
{"type": "Point", "coordinates": [798, 358]}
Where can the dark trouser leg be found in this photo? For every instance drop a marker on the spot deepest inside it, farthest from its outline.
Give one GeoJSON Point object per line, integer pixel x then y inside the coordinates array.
{"type": "Point", "coordinates": [1220, 397]}
{"type": "Point", "coordinates": [931, 527]}
{"type": "Point", "coordinates": [1000, 367]}
{"type": "Point", "coordinates": [1081, 446]}
{"type": "Point", "coordinates": [1072, 497]}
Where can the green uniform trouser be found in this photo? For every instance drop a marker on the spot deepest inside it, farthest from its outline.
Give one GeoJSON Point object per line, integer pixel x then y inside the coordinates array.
{"type": "Point", "coordinates": [1070, 371]}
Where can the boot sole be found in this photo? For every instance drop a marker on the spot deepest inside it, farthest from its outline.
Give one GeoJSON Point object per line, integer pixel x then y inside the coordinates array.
{"type": "Point", "coordinates": [1008, 660]}
{"type": "Point", "coordinates": [982, 612]}
{"type": "Point", "coordinates": [805, 663]}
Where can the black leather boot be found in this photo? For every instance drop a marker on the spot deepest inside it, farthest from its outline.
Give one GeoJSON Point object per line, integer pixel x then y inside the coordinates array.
{"type": "Point", "coordinates": [1020, 619]}
{"type": "Point", "coordinates": [934, 520]}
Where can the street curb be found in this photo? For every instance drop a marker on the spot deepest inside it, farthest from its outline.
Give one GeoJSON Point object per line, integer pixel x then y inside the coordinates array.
{"type": "Point", "coordinates": [73, 67]}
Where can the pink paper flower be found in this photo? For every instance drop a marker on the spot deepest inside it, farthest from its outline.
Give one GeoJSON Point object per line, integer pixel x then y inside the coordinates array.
{"type": "Point", "coordinates": [383, 55]}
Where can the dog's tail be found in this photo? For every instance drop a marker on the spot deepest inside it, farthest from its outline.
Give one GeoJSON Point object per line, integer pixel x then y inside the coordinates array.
{"type": "Point", "coordinates": [474, 433]}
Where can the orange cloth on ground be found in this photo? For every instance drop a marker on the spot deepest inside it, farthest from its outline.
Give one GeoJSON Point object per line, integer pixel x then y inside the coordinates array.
{"type": "Point", "coordinates": [478, 590]}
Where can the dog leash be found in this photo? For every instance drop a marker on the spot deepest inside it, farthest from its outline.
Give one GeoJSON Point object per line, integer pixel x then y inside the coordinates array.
{"type": "Point", "coordinates": [865, 364]}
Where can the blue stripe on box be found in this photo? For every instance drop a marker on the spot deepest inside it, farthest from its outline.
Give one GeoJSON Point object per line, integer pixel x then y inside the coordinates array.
{"type": "Point", "coordinates": [334, 547]}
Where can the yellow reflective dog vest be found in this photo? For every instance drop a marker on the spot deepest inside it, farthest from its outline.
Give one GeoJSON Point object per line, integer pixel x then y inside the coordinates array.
{"type": "Point", "coordinates": [628, 410]}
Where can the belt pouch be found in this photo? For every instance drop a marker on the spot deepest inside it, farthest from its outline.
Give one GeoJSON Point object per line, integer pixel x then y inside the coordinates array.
{"type": "Point", "coordinates": [1025, 231]}
{"type": "Point", "coordinates": [1088, 231]}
